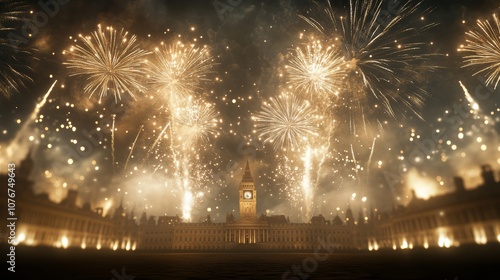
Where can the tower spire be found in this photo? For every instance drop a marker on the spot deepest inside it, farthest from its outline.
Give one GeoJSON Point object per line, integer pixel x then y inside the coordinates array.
{"type": "Point", "coordinates": [247, 177]}
{"type": "Point", "coordinates": [248, 193]}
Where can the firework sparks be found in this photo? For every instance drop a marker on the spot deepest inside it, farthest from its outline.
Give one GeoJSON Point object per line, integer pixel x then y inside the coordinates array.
{"type": "Point", "coordinates": [133, 146]}
{"type": "Point", "coordinates": [316, 70]}
{"type": "Point", "coordinates": [381, 59]}
{"type": "Point", "coordinates": [307, 185]}
{"type": "Point", "coordinates": [178, 70]}
{"type": "Point", "coordinates": [483, 48]}
{"type": "Point", "coordinates": [13, 148]}
{"type": "Point", "coordinates": [109, 61]}
{"type": "Point", "coordinates": [113, 143]}
{"type": "Point", "coordinates": [157, 139]}
{"type": "Point", "coordinates": [286, 121]}
{"type": "Point", "coordinates": [192, 123]}
{"type": "Point", "coordinates": [13, 68]}
{"type": "Point", "coordinates": [197, 121]}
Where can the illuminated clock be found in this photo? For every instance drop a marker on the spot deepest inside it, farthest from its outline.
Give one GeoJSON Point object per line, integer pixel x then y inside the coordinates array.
{"type": "Point", "coordinates": [247, 194]}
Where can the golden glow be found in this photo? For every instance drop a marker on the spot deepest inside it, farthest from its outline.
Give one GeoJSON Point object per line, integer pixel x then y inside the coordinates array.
{"type": "Point", "coordinates": [64, 242]}
{"type": "Point", "coordinates": [444, 241]}
{"type": "Point", "coordinates": [404, 244]}
{"type": "Point", "coordinates": [21, 237]}
{"type": "Point", "coordinates": [424, 187]}
{"type": "Point", "coordinates": [480, 235]}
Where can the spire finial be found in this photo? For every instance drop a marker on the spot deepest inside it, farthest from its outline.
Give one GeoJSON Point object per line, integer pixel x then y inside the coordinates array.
{"type": "Point", "coordinates": [247, 177]}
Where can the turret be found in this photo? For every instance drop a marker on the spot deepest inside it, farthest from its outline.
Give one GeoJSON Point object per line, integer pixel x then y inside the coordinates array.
{"type": "Point", "coordinates": [70, 200]}
{"type": "Point", "coordinates": [487, 175]}
{"type": "Point", "coordinates": [349, 218]}
{"type": "Point", "coordinates": [459, 184]}
{"type": "Point", "coordinates": [144, 219]}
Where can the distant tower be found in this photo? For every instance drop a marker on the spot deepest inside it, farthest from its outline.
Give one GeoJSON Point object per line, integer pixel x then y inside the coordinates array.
{"type": "Point", "coordinates": [488, 176]}
{"type": "Point", "coordinates": [248, 195]}
{"type": "Point", "coordinates": [459, 184]}
{"type": "Point", "coordinates": [349, 217]}
{"type": "Point", "coordinates": [26, 166]}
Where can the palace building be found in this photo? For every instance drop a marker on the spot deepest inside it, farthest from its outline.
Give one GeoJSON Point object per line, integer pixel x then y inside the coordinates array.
{"type": "Point", "coordinates": [454, 219]}
{"type": "Point", "coordinates": [41, 222]}
{"type": "Point", "coordinates": [248, 231]}
{"type": "Point", "coordinates": [462, 217]}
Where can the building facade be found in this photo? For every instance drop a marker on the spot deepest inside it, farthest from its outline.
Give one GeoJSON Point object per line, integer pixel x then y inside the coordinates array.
{"type": "Point", "coordinates": [463, 217]}
{"type": "Point", "coordinates": [41, 222]}
{"type": "Point", "coordinates": [248, 231]}
{"type": "Point", "coordinates": [459, 218]}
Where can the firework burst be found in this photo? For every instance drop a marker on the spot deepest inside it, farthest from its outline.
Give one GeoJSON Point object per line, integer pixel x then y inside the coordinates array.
{"type": "Point", "coordinates": [179, 70]}
{"type": "Point", "coordinates": [286, 121]}
{"type": "Point", "coordinates": [483, 50]}
{"type": "Point", "coordinates": [13, 67]}
{"type": "Point", "coordinates": [316, 70]}
{"type": "Point", "coordinates": [197, 121]}
{"type": "Point", "coordinates": [382, 55]}
{"type": "Point", "coordinates": [109, 61]}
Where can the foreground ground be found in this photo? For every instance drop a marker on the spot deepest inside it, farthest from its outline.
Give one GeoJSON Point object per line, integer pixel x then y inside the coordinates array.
{"type": "Point", "coordinates": [454, 263]}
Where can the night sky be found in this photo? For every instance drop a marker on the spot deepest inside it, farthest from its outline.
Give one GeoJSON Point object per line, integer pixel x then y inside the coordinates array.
{"type": "Point", "coordinates": [250, 42]}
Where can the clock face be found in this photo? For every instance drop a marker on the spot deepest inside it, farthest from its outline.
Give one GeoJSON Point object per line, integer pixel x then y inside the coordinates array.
{"type": "Point", "coordinates": [247, 194]}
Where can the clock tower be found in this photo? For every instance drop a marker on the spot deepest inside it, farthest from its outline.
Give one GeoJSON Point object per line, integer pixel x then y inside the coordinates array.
{"type": "Point", "coordinates": [248, 195]}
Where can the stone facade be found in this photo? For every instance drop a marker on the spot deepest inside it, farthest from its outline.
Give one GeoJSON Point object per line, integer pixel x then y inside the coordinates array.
{"type": "Point", "coordinates": [458, 218]}
{"type": "Point", "coordinates": [462, 217]}
{"type": "Point", "coordinates": [41, 222]}
{"type": "Point", "coordinates": [247, 232]}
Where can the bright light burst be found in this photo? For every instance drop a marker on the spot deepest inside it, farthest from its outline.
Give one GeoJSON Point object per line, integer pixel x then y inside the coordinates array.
{"type": "Point", "coordinates": [109, 61]}
{"type": "Point", "coordinates": [13, 65]}
{"type": "Point", "coordinates": [483, 48]}
{"type": "Point", "coordinates": [383, 55]}
{"type": "Point", "coordinates": [197, 121]}
{"type": "Point", "coordinates": [316, 70]}
{"type": "Point", "coordinates": [179, 70]}
{"type": "Point", "coordinates": [285, 121]}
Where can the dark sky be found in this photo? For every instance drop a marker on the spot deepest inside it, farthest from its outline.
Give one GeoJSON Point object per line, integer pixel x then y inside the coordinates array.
{"type": "Point", "coordinates": [249, 40]}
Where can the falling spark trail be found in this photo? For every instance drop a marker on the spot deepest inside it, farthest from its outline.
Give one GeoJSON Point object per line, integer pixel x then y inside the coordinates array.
{"type": "Point", "coordinates": [478, 113]}
{"type": "Point", "coordinates": [370, 159]}
{"type": "Point", "coordinates": [318, 173]}
{"type": "Point", "coordinates": [355, 163]}
{"type": "Point", "coordinates": [157, 140]}
{"type": "Point", "coordinates": [13, 147]}
{"type": "Point", "coordinates": [469, 98]}
{"type": "Point", "coordinates": [39, 106]}
{"type": "Point", "coordinates": [156, 168]}
{"type": "Point", "coordinates": [132, 148]}
{"type": "Point", "coordinates": [35, 112]}
{"type": "Point", "coordinates": [306, 182]}
{"type": "Point", "coordinates": [113, 142]}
